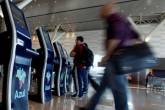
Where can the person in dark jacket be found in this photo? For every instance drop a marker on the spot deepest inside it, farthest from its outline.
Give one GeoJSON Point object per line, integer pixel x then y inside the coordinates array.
{"type": "Point", "coordinates": [79, 68]}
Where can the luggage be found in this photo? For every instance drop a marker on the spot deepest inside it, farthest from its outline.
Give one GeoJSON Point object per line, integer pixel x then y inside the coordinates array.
{"type": "Point", "coordinates": [133, 58]}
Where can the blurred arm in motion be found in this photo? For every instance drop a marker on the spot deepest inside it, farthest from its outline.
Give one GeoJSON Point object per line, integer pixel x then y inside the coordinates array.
{"type": "Point", "coordinates": [111, 45]}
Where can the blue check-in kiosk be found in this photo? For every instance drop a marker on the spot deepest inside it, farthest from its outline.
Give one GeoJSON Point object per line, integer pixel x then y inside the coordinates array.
{"type": "Point", "coordinates": [57, 70]}
{"type": "Point", "coordinates": [16, 58]}
{"type": "Point", "coordinates": [64, 70]}
{"type": "Point", "coordinates": [43, 65]}
{"type": "Point", "coordinates": [68, 76]}
{"type": "Point", "coordinates": [60, 70]}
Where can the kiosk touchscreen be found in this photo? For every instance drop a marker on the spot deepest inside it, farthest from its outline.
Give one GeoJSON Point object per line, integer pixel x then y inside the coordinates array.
{"type": "Point", "coordinates": [17, 58]}
{"type": "Point", "coordinates": [43, 65]}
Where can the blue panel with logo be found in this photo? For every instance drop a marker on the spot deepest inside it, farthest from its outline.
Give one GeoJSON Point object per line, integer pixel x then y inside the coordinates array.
{"type": "Point", "coordinates": [48, 83]}
{"type": "Point", "coordinates": [20, 84]}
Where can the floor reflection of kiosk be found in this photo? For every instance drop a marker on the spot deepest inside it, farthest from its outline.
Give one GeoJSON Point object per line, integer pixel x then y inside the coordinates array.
{"type": "Point", "coordinates": [43, 65]}
{"type": "Point", "coordinates": [16, 58]}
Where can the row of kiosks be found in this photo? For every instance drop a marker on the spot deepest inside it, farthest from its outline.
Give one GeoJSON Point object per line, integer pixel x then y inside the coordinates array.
{"type": "Point", "coordinates": [16, 58]}
{"type": "Point", "coordinates": [19, 60]}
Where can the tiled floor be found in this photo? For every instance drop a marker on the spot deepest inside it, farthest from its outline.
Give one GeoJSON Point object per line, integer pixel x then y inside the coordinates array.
{"type": "Point", "coordinates": [141, 101]}
{"type": "Point", "coordinates": [62, 103]}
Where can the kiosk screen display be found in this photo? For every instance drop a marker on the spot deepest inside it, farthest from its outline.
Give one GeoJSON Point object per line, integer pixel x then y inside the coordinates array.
{"type": "Point", "coordinates": [47, 40]}
{"type": "Point", "coordinates": [48, 82]}
{"type": "Point", "coordinates": [19, 19]}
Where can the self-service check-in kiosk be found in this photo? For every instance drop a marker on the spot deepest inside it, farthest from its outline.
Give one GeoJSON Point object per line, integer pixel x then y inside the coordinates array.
{"type": "Point", "coordinates": [16, 58]}
{"type": "Point", "coordinates": [64, 70]}
{"type": "Point", "coordinates": [60, 70]}
{"type": "Point", "coordinates": [68, 76]}
{"type": "Point", "coordinates": [57, 70]}
{"type": "Point", "coordinates": [43, 65]}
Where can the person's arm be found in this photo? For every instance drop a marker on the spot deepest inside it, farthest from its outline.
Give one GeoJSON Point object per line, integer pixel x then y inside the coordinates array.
{"type": "Point", "coordinates": [111, 46]}
{"type": "Point", "coordinates": [73, 52]}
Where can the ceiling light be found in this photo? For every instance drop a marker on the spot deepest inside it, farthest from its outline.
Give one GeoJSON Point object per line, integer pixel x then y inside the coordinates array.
{"type": "Point", "coordinates": [72, 34]}
{"type": "Point", "coordinates": [147, 39]}
{"type": "Point", "coordinates": [33, 38]}
{"type": "Point", "coordinates": [67, 35]}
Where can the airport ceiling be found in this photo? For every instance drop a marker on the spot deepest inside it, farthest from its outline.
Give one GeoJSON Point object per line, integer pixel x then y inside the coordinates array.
{"type": "Point", "coordinates": [82, 15]}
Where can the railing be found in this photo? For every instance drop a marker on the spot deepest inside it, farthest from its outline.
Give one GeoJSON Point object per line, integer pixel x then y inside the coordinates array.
{"type": "Point", "coordinates": [156, 84]}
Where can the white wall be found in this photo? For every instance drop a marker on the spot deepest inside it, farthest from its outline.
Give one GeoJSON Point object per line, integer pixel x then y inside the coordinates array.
{"type": "Point", "coordinates": [95, 40]}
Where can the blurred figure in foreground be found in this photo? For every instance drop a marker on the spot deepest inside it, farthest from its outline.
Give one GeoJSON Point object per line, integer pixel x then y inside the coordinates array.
{"type": "Point", "coordinates": [118, 34]}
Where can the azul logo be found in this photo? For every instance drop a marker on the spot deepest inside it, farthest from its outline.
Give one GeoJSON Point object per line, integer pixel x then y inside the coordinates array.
{"type": "Point", "coordinates": [20, 94]}
{"type": "Point", "coordinates": [21, 75]}
{"type": "Point", "coordinates": [48, 77]}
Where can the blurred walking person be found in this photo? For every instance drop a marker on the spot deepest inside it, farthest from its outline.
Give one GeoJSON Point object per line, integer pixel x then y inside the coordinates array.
{"type": "Point", "coordinates": [118, 32]}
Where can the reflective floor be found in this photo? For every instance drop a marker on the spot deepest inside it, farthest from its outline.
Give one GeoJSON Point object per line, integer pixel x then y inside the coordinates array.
{"type": "Point", "coordinates": [142, 100]}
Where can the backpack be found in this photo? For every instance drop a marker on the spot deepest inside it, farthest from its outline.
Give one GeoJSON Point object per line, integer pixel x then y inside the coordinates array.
{"type": "Point", "coordinates": [88, 57]}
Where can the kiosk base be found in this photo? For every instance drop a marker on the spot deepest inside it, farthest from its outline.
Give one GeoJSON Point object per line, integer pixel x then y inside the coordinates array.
{"type": "Point", "coordinates": [35, 98]}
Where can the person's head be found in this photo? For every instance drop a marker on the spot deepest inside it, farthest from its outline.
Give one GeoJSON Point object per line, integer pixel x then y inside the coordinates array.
{"type": "Point", "coordinates": [79, 40]}
{"type": "Point", "coordinates": [107, 9]}
{"type": "Point", "coordinates": [86, 45]}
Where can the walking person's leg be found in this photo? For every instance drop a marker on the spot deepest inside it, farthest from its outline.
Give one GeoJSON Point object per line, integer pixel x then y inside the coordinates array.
{"type": "Point", "coordinates": [96, 97]}
{"type": "Point", "coordinates": [118, 86]}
